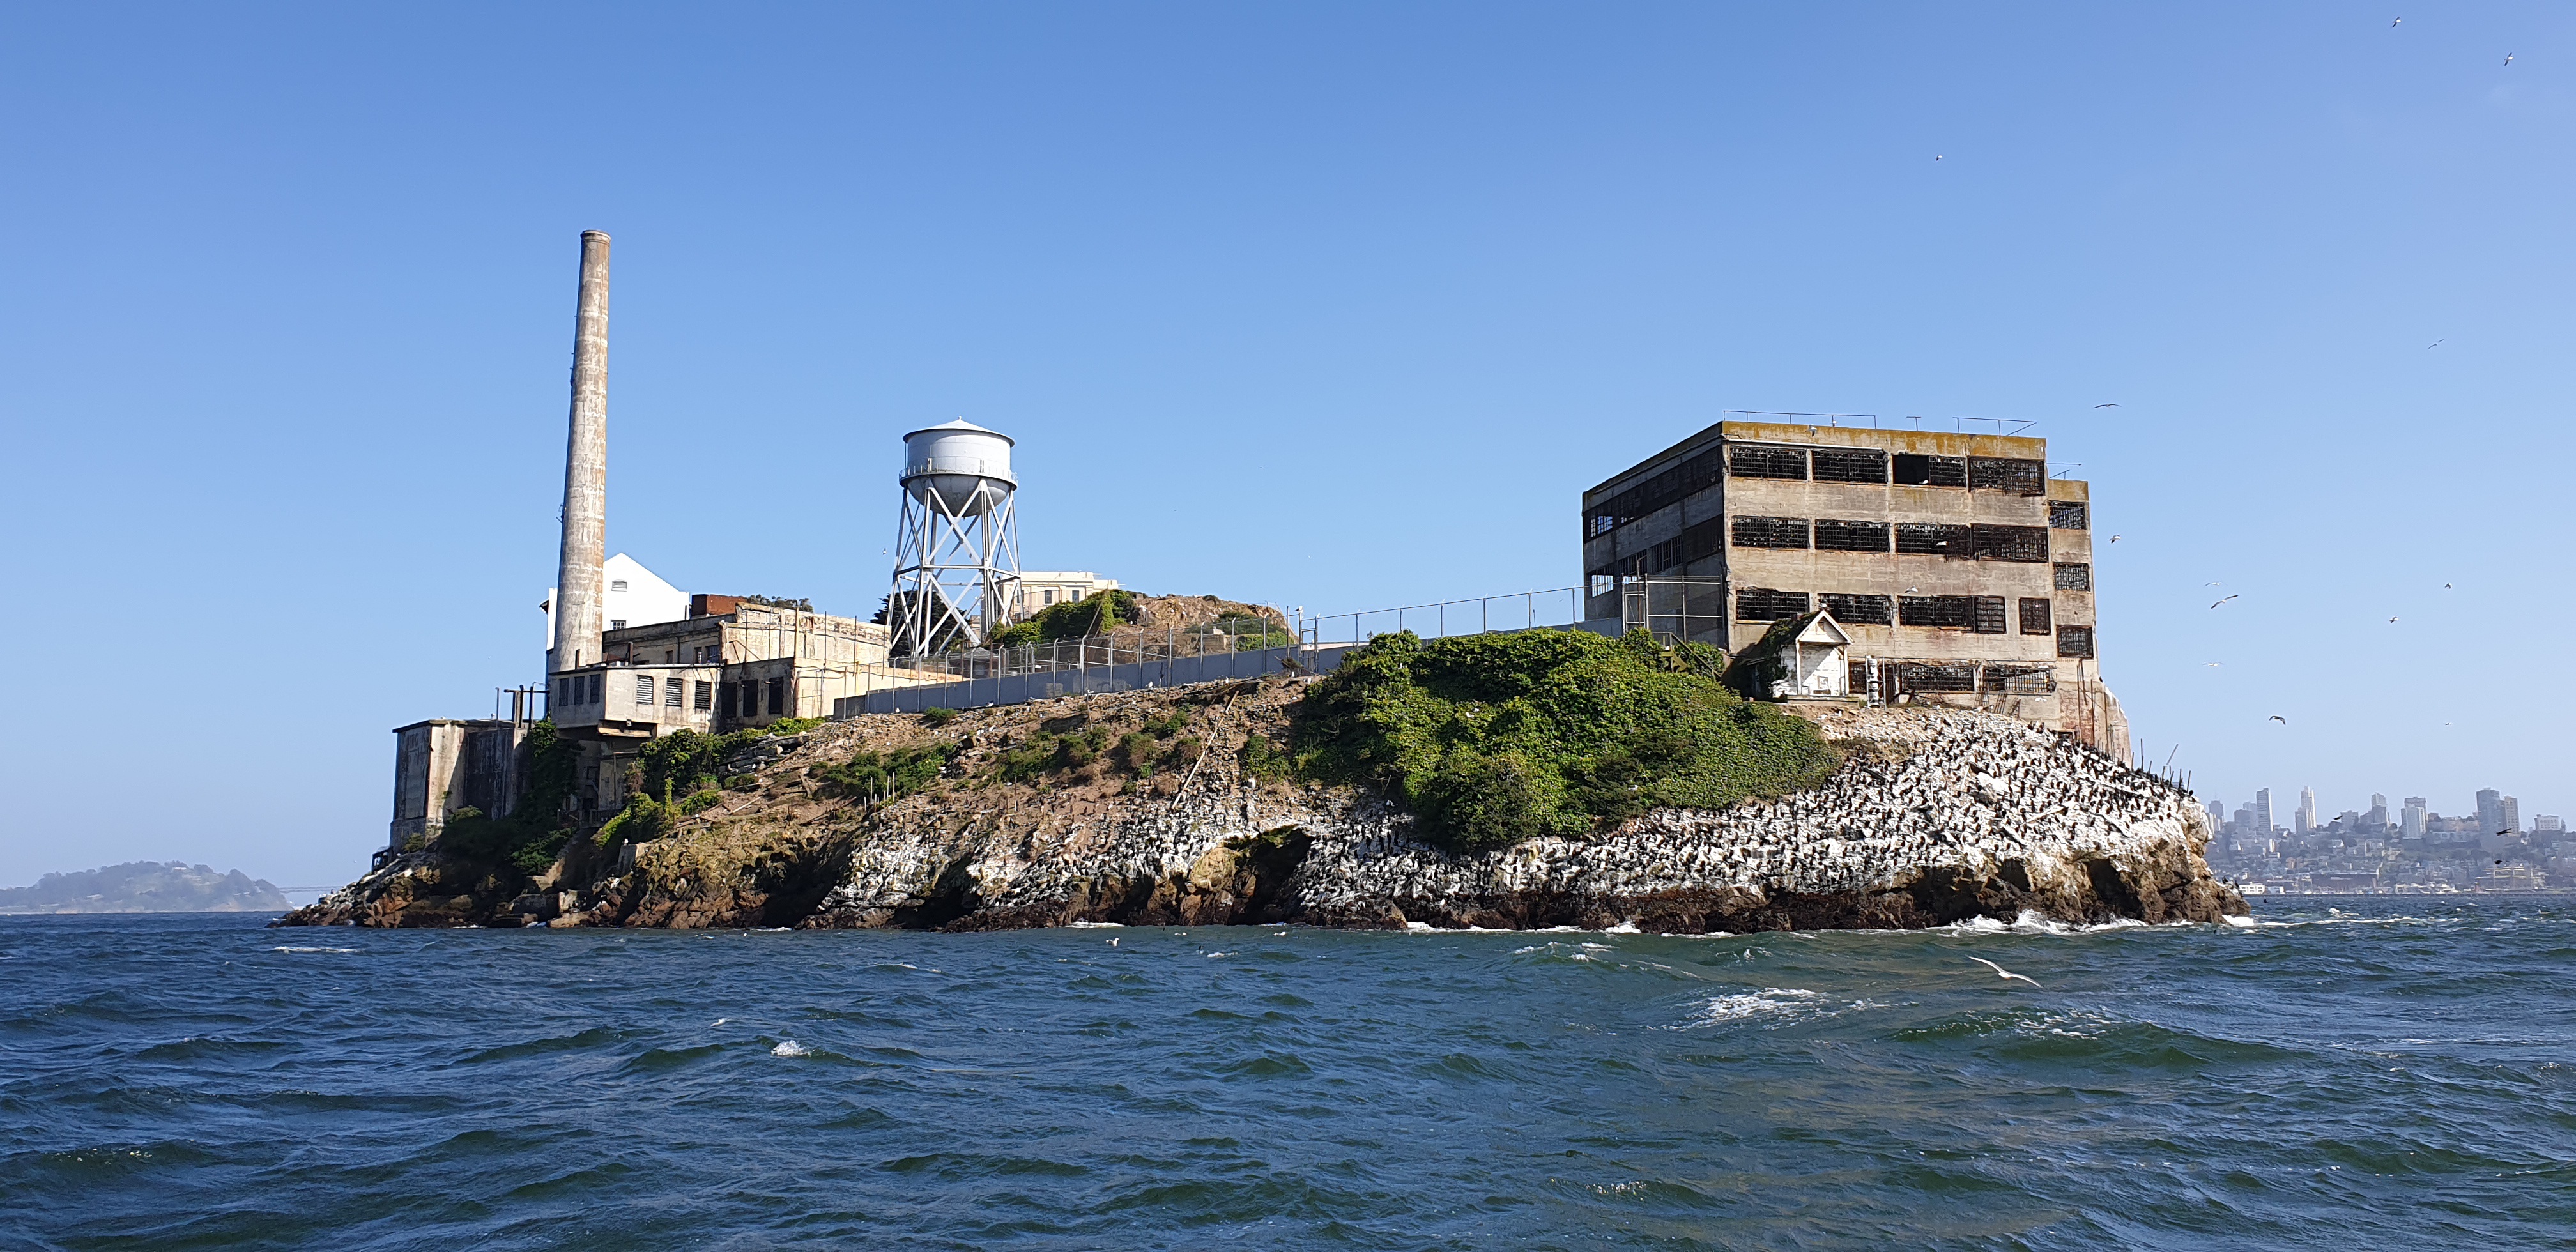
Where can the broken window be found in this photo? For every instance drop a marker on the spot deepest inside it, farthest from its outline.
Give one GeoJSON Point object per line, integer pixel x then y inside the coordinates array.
{"type": "Point", "coordinates": [1770, 532]}
{"type": "Point", "coordinates": [2074, 576]}
{"type": "Point", "coordinates": [703, 697]}
{"type": "Point", "coordinates": [777, 696]}
{"type": "Point", "coordinates": [2020, 680]}
{"type": "Point", "coordinates": [1936, 676]}
{"type": "Point", "coordinates": [671, 692]}
{"type": "Point", "coordinates": [2069, 515]}
{"type": "Point", "coordinates": [1932, 539]}
{"type": "Point", "coordinates": [1755, 461]}
{"type": "Point", "coordinates": [1943, 612]}
{"type": "Point", "coordinates": [1914, 469]}
{"type": "Point", "coordinates": [2075, 641]}
{"type": "Point", "coordinates": [1761, 604]}
{"type": "Point", "coordinates": [1659, 492]}
{"type": "Point", "coordinates": [1850, 465]}
{"type": "Point", "coordinates": [727, 710]}
{"type": "Point", "coordinates": [2008, 543]}
{"type": "Point", "coordinates": [1698, 543]}
{"type": "Point", "coordinates": [2034, 615]}
{"type": "Point", "coordinates": [1860, 610]}
{"type": "Point", "coordinates": [643, 688]}
{"type": "Point", "coordinates": [1995, 473]}
{"type": "Point", "coordinates": [1989, 615]}
{"type": "Point", "coordinates": [1838, 536]}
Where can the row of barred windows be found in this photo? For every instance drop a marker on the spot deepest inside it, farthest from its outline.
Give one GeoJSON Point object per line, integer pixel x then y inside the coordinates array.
{"type": "Point", "coordinates": [1976, 615]}
{"type": "Point", "coordinates": [1831, 465]}
{"type": "Point", "coordinates": [738, 699]}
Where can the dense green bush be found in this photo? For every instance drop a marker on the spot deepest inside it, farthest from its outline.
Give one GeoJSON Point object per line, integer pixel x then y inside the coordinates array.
{"type": "Point", "coordinates": [1093, 614]}
{"type": "Point", "coordinates": [535, 832]}
{"type": "Point", "coordinates": [883, 776]}
{"type": "Point", "coordinates": [685, 762]}
{"type": "Point", "coordinates": [1494, 739]}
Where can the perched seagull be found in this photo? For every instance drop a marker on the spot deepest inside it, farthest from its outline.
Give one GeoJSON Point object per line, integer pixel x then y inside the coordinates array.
{"type": "Point", "coordinates": [2001, 972]}
{"type": "Point", "coordinates": [2223, 600]}
{"type": "Point", "coordinates": [2286, 721]}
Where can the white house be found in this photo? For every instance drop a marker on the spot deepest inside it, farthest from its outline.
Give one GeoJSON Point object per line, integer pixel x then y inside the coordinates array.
{"type": "Point", "coordinates": [636, 597]}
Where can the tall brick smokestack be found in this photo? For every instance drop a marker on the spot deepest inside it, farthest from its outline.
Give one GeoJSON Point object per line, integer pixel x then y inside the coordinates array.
{"type": "Point", "coordinates": [578, 577]}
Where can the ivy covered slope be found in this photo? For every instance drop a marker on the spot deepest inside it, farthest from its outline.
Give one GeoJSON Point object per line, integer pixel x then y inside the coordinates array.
{"type": "Point", "coordinates": [1492, 740]}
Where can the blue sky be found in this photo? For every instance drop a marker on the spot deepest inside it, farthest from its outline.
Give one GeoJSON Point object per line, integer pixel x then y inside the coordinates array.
{"type": "Point", "coordinates": [1339, 306]}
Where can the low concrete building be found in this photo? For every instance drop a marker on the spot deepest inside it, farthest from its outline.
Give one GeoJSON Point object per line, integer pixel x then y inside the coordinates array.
{"type": "Point", "coordinates": [1961, 571]}
{"type": "Point", "coordinates": [443, 766]}
{"type": "Point", "coordinates": [1042, 589]}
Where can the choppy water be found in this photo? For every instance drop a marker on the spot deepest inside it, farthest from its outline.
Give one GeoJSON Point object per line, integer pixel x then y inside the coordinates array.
{"type": "Point", "coordinates": [2396, 1074]}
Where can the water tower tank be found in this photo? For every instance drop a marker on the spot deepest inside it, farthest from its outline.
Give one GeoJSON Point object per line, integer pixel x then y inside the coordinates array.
{"type": "Point", "coordinates": [965, 465]}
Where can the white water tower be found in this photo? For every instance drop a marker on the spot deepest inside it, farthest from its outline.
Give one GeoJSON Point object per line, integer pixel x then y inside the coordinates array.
{"type": "Point", "coordinates": [957, 556]}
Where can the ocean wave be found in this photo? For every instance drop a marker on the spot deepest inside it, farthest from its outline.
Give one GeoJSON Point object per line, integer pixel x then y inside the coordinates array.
{"type": "Point", "coordinates": [789, 1047]}
{"type": "Point", "coordinates": [283, 948]}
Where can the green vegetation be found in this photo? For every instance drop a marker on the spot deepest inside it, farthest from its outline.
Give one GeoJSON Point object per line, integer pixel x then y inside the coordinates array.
{"type": "Point", "coordinates": [535, 832]}
{"type": "Point", "coordinates": [1495, 739]}
{"type": "Point", "coordinates": [1251, 631]}
{"type": "Point", "coordinates": [1266, 760]}
{"type": "Point", "coordinates": [883, 776]}
{"type": "Point", "coordinates": [685, 762]}
{"type": "Point", "coordinates": [1094, 614]}
{"type": "Point", "coordinates": [1069, 744]}
{"type": "Point", "coordinates": [936, 717]}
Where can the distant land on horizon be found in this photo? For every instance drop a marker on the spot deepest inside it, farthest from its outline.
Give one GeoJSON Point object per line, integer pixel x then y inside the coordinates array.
{"type": "Point", "coordinates": [145, 887]}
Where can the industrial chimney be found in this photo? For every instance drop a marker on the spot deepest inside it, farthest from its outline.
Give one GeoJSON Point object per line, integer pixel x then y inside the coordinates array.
{"type": "Point", "coordinates": [585, 504]}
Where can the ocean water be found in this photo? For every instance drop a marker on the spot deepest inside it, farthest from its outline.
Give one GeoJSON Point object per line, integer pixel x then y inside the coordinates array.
{"type": "Point", "coordinates": [2343, 1074]}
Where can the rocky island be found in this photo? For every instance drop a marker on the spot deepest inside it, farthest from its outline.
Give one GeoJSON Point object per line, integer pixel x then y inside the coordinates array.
{"type": "Point", "coordinates": [1528, 780]}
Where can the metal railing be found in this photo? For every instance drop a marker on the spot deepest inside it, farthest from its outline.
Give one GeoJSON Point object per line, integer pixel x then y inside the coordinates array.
{"type": "Point", "coordinates": [1671, 608]}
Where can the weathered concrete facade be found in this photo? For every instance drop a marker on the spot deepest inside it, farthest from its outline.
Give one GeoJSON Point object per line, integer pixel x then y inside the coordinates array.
{"type": "Point", "coordinates": [1962, 572]}
{"type": "Point", "coordinates": [442, 766]}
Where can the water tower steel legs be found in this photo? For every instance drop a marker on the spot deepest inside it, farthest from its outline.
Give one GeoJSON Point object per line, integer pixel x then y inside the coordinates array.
{"type": "Point", "coordinates": [943, 561]}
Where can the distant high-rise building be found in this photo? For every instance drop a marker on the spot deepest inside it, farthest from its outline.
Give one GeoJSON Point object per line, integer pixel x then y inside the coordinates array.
{"type": "Point", "coordinates": [2490, 811]}
{"type": "Point", "coordinates": [2547, 824]}
{"type": "Point", "coordinates": [2244, 823]}
{"type": "Point", "coordinates": [2263, 812]}
{"type": "Point", "coordinates": [2378, 814]}
{"type": "Point", "coordinates": [2305, 819]}
{"type": "Point", "coordinates": [2410, 820]}
{"type": "Point", "coordinates": [2510, 811]}
{"type": "Point", "coordinates": [2217, 815]}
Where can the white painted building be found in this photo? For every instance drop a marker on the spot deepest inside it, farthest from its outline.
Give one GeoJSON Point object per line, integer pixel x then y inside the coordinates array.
{"type": "Point", "coordinates": [1040, 589]}
{"type": "Point", "coordinates": [636, 597]}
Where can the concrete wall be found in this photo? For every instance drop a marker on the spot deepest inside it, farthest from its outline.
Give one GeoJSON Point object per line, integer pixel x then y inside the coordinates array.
{"type": "Point", "coordinates": [1022, 688]}
{"type": "Point", "coordinates": [442, 766]}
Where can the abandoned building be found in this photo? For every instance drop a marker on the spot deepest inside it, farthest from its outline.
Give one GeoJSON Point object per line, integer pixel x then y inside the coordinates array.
{"type": "Point", "coordinates": [1957, 569]}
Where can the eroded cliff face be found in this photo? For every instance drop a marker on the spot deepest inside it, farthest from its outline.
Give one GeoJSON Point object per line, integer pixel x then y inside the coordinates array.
{"type": "Point", "coordinates": [1934, 818]}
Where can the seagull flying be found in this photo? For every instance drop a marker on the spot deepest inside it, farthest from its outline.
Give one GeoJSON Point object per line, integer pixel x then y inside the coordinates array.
{"type": "Point", "coordinates": [1936, 156]}
{"type": "Point", "coordinates": [2286, 721]}
{"type": "Point", "coordinates": [2210, 584]}
{"type": "Point", "coordinates": [2223, 600]}
{"type": "Point", "coordinates": [2106, 406]}
{"type": "Point", "coordinates": [2446, 586]}
{"type": "Point", "coordinates": [2392, 619]}
{"type": "Point", "coordinates": [1113, 943]}
{"type": "Point", "coordinates": [2001, 972]}
{"type": "Point", "coordinates": [2115, 539]}
{"type": "Point", "coordinates": [2213, 664]}
{"type": "Point", "coordinates": [2392, 22]}
{"type": "Point", "coordinates": [2508, 58]}
{"type": "Point", "coordinates": [2435, 344]}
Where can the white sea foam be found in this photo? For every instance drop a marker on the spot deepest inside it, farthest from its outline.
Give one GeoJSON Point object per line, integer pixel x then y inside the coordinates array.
{"type": "Point", "coordinates": [312, 949]}
{"type": "Point", "coordinates": [1768, 1002]}
{"type": "Point", "coordinates": [1095, 925]}
{"type": "Point", "coordinates": [1623, 928]}
{"type": "Point", "coordinates": [789, 1047]}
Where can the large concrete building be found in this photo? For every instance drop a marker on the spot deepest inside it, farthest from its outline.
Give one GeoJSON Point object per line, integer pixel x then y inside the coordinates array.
{"type": "Point", "coordinates": [1960, 570]}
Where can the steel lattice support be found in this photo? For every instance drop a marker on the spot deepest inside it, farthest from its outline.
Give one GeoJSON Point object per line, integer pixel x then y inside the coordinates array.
{"type": "Point", "coordinates": [956, 573]}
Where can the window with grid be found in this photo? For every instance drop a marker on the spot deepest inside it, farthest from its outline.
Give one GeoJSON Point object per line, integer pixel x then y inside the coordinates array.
{"type": "Point", "coordinates": [1770, 532]}
{"type": "Point", "coordinates": [2075, 641]}
{"type": "Point", "coordinates": [1917, 470]}
{"type": "Point", "coordinates": [1750, 461]}
{"type": "Point", "coordinates": [2028, 544]}
{"type": "Point", "coordinates": [1761, 604]}
{"type": "Point", "coordinates": [1933, 539]}
{"type": "Point", "coordinates": [1941, 612]}
{"type": "Point", "coordinates": [2034, 615]}
{"type": "Point", "coordinates": [1995, 473]}
{"type": "Point", "coordinates": [1850, 465]}
{"type": "Point", "coordinates": [704, 696]}
{"type": "Point", "coordinates": [1860, 610]}
{"type": "Point", "coordinates": [1842, 536]}
{"type": "Point", "coordinates": [2074, 576]}
{"type": "Point", "coordinates": [2069, 515]}
{"type": "Point", "coordinates": [1986, 616]}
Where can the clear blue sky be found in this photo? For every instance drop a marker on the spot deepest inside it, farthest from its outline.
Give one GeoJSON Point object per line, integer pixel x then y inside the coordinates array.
{"type": "Point", "coordinates": [1339, 306]}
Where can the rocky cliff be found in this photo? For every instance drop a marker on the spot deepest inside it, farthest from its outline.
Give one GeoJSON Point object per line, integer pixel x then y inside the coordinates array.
{"type": "Point", "coordinates": [1177, 812]}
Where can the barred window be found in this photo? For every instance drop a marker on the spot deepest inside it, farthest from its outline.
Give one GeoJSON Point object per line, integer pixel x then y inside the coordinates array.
{"type": "Point", "coordinates": [643, 688]}
{"type": "Point", "coordinates": [1936, 676]}
{"type": "Point", "coordinates": [1943, 612]}
{"type": "Point", "coordinates": [2074, 576]}
{"type": "Point", "coordinates": [1850, 465]}
{"type": "Point", "coordinates": [1683, 480]}
{"type": "Point", "coordinates": [598, 689]}
{"type": "Point", "coordinates": [2034, 615]}
{"type": "Point", "coordinates": [1995, 473]}
{"type": "Point", "coordinates": [1695, 543]}
{"type": "Point", "coordinates": [1917, 470]}
{"type": "Point", "coordinates": [1750, 461]}
{"type": "Point", "coordinates": [2021, 680]}
{"type": "Point", "coordinates": [727, 695]}
{"type": "Point", "coordinates": [703, 697]}
{"type": "Point", "coordinates": [1860, 610]}
{"type": "Point", "coordinates": [2027, 544]}
{"type": "Point", "coordinates": [1933, 539]}
{"type": "Point", "coordinates": [1841, 536]}
{"type": "Point", "coordinates": [2075, 641]}
{"type": "Point", "coordinates": [2070, 515]}
{"type": "Point", "coordinates": [1770, 532]}
{"type": "Point", "coordinates": [1988, 618]}
{"type": "Point", "coordinates": [1760, 604]}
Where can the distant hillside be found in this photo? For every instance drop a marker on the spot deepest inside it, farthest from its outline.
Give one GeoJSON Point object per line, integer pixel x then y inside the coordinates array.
{"type": "Point", "coordinates": [145, 887]}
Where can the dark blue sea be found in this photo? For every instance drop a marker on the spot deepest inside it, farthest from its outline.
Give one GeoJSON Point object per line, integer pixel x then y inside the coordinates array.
{"type": "Point", "coordinates": [2344, 1074]}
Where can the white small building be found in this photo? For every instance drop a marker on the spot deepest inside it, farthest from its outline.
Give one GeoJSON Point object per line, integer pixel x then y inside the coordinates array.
{"type": "Point", "coordinates": [1804, 657]}
{"type": "Point", "coordinates": [1042, 589]}
{"type": "Point", "coordinates": [636, 597]}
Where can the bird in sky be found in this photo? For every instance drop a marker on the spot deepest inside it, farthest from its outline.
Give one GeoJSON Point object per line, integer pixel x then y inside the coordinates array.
{"type": "Point", "coordinates": [2392, 619]}
{"type": "Point", "coordinates": [2210, 584]}
{"type": "Point", "coordinates": [2392, 22]}
{"type": "Point", "coordinates": [1936, 156]}
{"type": "Point", "coordinates": [2286, 721]}
{"type": "Point", "coordinates": [2001, 972]}
{"type": "Point", "coordinates": [2446, 586]}
{"type": "Point", "coordinates": [2106, 406]}
{"type": "Point", "coordinates": [2508, 58]}
{"type": "Point", "coordinates": [2435, 344]}
{"type": "Point", "coordinates": [2115, 539]}
{"type": "Point", "coordinates": [2223, 600]}
{"type": "Point", "coordinates": [2213, 664]}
